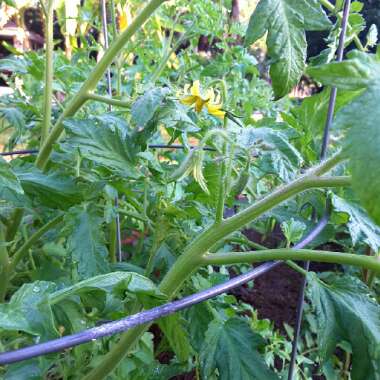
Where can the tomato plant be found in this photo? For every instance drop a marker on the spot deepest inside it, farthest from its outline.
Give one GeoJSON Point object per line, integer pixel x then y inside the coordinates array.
{"type": "Point", "coordinates": [190, 148]}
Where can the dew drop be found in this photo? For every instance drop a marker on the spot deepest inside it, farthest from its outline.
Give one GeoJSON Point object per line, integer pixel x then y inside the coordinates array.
{"type": "Point", "coordinates": [36, 289]}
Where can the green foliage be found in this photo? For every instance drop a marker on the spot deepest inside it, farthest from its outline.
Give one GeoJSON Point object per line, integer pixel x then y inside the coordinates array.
{"type": "Point", "coordinates": [86, 244]}
{"type": "Point", "coordinates": [145, 106]}
{"type": "Point", "coordinates": [28, 311]}
{"type": "Point", "coordinates": [231, 347]}
{"type": "Point", "coordinates": [11, 189]}
{"type": "Point", "coordinates": [360, 117]}
{"type": "Point", "coordinates": [360, 226]}
{"type": "Point", "coordinates": [346, 312]}
{"type": "Point", "coordinates": [107, 145]}
{"type": "Point", "coordinates": [58, 279]}
{"type": "Point", "coordinates": [286, 22]}
{"type": "Point", "coordinates": [54, 189]}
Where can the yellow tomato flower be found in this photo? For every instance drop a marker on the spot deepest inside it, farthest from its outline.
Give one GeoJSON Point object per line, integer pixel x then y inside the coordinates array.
{"type": "Point", "coordinates": [209, 100]}
{"type": "Point", "coordinates": [125, 17]}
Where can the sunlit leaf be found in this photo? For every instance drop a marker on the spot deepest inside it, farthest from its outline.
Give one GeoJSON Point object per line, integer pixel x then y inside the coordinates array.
{"type": "Point", "coordinates": [286, 22]}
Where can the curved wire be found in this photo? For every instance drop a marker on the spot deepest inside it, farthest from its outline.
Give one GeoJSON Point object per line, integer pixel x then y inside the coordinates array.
{"type": "Point", "coordinates": [325, 142]}
{"type": "Point", "coordinates": [147, 316]}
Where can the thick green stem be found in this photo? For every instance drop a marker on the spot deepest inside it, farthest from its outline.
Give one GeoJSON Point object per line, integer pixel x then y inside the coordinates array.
{"type": "Point", "coordinates": [4, 265]}
{"type": "Point", "coordinates": [14, 224]}
{"type": "Point", "coordinates": [222, 181]}
{"type": "Point", "coordinates": [110, 101]}
{"type": "Point", "coordinates": [116, 354]}
{"type": "Point", "coordinates": [113, 240]}
{"type": "Point", "coordinates": [231, 258]}
{"type": "Point", "coordinates": [192, 258]}
{"type": "Point", "coordinates": [89, 85]}
{"type": "Point", "coordinates": [23, 250]}
{"type": "Point", "coordinates": [49, 71]}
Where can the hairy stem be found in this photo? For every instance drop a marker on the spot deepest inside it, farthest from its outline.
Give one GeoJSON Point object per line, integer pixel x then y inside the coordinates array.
{"type": "Point", "coordinates": [231, 258]}
{"type": "Point", "coordinates": [222, 182]}
{"type": "Point", "coordinates": [23, 250]}
{"type": "Point", "coordinates": [89, 85]}
{"type": "Point", "coordinates": [4, 265]}
{"type": "Point", "coordinates": [49, 71]}
{"type": "Point", "coordinates": [192, 258]}
{"type": "Point", "coordinates": [112, 227]}
{"type": "Point", "coordinates": [109, 101]}
{"type": "Point", "coordinates": [14, 224]}
{"type": "Point", "coordinates": [180, 271]}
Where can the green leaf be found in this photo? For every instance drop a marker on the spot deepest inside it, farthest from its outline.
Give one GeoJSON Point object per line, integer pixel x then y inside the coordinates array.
{"type": "Point", "coordinates": [363, 140]}
{"type": "Point", "coordinates": [15, 64]}
{"type": "Point", "coordinates": [34, 369]}
{"type": "Point", "coordinates": [10, 186]}
{"type": "Point", "coordinates": [13, 116]}
{"type": "Point", "coordinates": [231, 347]}
{"type": "Point", "coordinates": [86, 242]}
{"type": "Point", "coordinates": [108, 145]}
{"type": "Point", "coordinates": [360, 226]}
{"type": "Point", "coordinates": [293, 230]}
{"type": "Point", "coordinates": [277, 155]}
{"type": "Point", "coordinates": [173, 326]}
{"type": "Point", "coordinates": [286, 22]}
{"type": "Point", "coordinates": [53, 189]}
{"type": "Point", "coordinates": [360, 117]}
{"type": "Point", "coordinates": [107, 283]}
{"type": "Point", "coordinates": [198, 316]}
{"type": "Point", "coordinates": [360, 71]}
{"type": "Point", "coordinates": [312, 113]}
{"type": "Point", "coordinates": [345, 312]}
{"type": "Point", "coordinates": [146, 105]}
{"type": "Point", "coordinates": [29, 311]}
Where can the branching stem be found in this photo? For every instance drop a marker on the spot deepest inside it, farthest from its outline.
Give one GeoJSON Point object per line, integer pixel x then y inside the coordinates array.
{"type": "Point", "coordinates": [231, 258]}
{"type": "Point", "coordinates": [89, 85]}
{"type": "Point", "coordinates": [193, 256]}
{"type": "Point", "coordinates": [23, 250]}
{"type": "Point", "coordinates": [49, 70]}
{"type": "Point", "coordinates": [109, 101]}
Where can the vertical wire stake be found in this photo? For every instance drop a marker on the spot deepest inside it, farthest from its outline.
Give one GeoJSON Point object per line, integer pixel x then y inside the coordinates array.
{"type": "Point", "coordinates": [109, 90]}
{"type": "Point", "coordinates": [325, 142]}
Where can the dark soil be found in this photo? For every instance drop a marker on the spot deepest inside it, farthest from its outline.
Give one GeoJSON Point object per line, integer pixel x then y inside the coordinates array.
{"type": "Point", "coordinates": [275, 294]}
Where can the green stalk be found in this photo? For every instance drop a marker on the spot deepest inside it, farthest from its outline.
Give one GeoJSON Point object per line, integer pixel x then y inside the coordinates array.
{"type": "Point", "coordinates": [297, 268]}
{"type": "Point", "coordinates": [106, 100]}
{"type": "Point", "coordinates": [23, 250]}
{"type": "Point", "coordinates": [4, 265]}
{"type": "Point", "coordinates": [192, 258]}
{"type": "Point", "coordinates": [113, 240]}
{"type": "Point", "coordinates": [222, 182]}
{"type": "Point", "coordinates": [15, 221]}
{"type": "Point", "coordinates": [231, 258]}
{"type": "Point", "coordinates": [89, 85]}
{"type": "Point", "coordinates": [49, 71]}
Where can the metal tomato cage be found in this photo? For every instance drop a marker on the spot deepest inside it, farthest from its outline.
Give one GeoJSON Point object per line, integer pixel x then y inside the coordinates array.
{"type": "Point", "coordinates": [150, 315]}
